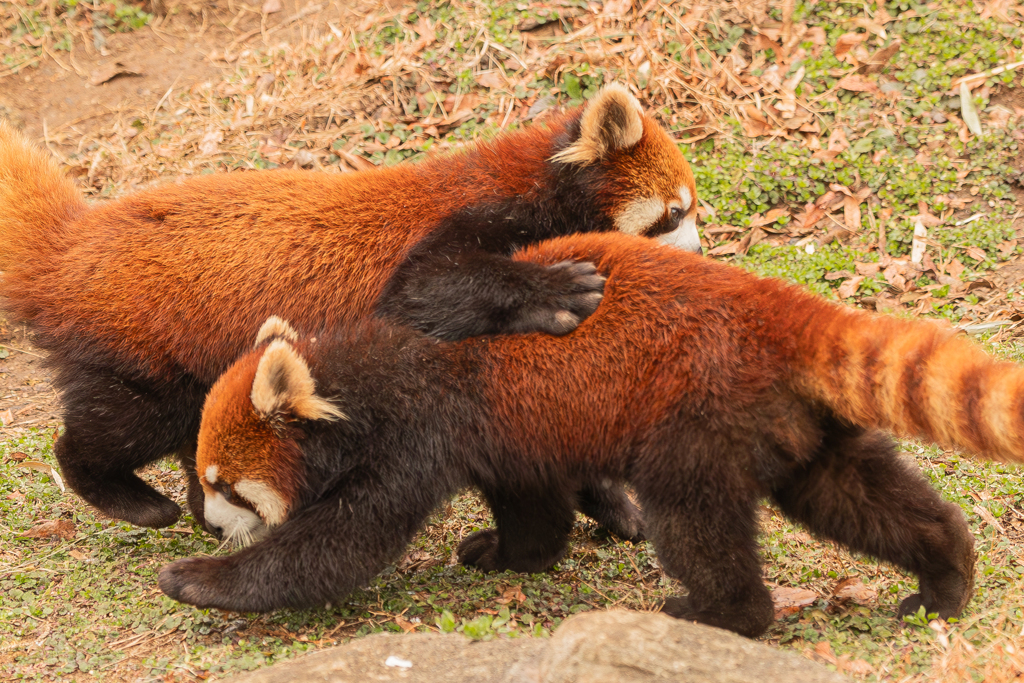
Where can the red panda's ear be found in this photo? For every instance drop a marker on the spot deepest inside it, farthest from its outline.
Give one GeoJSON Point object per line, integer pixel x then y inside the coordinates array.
{"type": "Point", "coordinates": [276, 327]}
{"type": "Point", "coordinates": [612, 120]}
{"type": "Point", "coordinates": [284, 387]}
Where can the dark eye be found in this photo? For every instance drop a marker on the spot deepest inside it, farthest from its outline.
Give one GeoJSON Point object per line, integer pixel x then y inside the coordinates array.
{"type": "Point", "coordinates": [676, 214]}
{"type": "Point", "coordinates": [225, 490]}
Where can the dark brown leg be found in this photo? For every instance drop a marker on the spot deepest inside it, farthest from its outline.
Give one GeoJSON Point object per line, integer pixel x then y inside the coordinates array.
{"type": "Point", "coordinates": [861, 494]}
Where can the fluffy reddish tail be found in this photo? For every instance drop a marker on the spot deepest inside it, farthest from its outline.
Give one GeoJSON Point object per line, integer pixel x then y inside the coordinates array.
{"type": "Point", "coordinates": [913, 378]}
{"type": "Point", "coordinates": [37, 201]}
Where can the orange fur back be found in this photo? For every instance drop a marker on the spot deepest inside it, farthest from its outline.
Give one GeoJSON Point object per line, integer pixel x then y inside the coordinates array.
{"type": "Point", "coordinates": [679, 325]}
{"type": "Point", "coordinates": [226, 248]}
{"type": "Point", "coordinates": [218, 254]}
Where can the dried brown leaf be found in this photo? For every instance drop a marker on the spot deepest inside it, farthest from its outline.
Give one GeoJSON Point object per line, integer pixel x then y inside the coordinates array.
{"type": "Point", "coordinates": [857, 83]}
{"type": "Point", "coordinates": [763, 42]}
{"type": "Point", "coordinates": [17, 456]}
{"type": "Point", "coordinates": [850, 287]}
{"type": "Point", "coordinates": [858, 667]}
{"type": "Point", "coordinates": [837, 139]}
{"type": "Point", "coordinates": [867, 269]}
{"type": "Point", "coordinates": [491, 79]}
{"type": "Point", "coordinates": [616, 8]}
{"type": "Point", "coordinates": [810, 216]}
{"type": "Point", "coordinates": [724, 249]}
{"type": "Point", "coordinates": [406, 626]}
{"type": "Point", "coordinates": [851, 213]}
{"type": "Point", "coordinates": [846, 42]}
{"type": "Point", "coordinates": [830, 196]}
{"type": "Point", "coordinates": [358, 163]}
{"type": "Point", "coordinates": [45, 469]}
{"type": "Point", "coordinates": [854, 589]}
{"type": "Point", "coordinates": [976, 253]}
{"type": "Point", "coordinates": [894, 275]}
{"type": "Point", "coordinates": [816, 36]}
{"type": "Point", "coordinates": [60, 528]}
{"type": "Point", "coordinates": [512, 594]}
{"type": "Point", "coordinates": [749, 240]}
{"type": "Point", "coordinates": [824, 650]}
{"type": "Point", "coordinates": [954, 202]}
{"type": "Point", "coordinates": [871, 26]}
{"type": "Point", "coordinates": [826, 154]}
{"type": "Point", "coordinates": [883, 17]}
{"type": "Point", "coordinates": [427, 34]}
{"type": "Point", "coordinates": [789, 600]}
{"type": "Point", "coordinates": [999, 117]}
{"type": "Point", "coordinates": [987, 515]}
{"type": "Point", "coordinates": [108, 73]}
{"type": "Point", "coordinates": [881, 57]}
{"type": "Point", "coordinates": [752, 127]}
{"type": "Point", "coordinates": [998, 9]}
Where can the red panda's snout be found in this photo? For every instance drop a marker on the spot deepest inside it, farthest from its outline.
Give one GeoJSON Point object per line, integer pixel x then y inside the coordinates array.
{"type": "Point", "coordinates": [231, 517]}
{"type": "Point", "coordinates": [248, 460]}
{"type": "Point", "coordinates": [655, 193]}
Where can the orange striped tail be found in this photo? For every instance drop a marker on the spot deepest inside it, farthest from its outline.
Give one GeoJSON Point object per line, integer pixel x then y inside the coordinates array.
{"type": "Point", "coordinates": [36, 201]}
{"type": "Point", "coordinates": [913, 378]}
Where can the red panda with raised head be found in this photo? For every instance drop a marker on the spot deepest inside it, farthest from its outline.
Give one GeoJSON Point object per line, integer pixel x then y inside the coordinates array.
{"type": "Point", "coordinates": [704, 386]}
{"type": "Point", "coordinates": [143, 302]}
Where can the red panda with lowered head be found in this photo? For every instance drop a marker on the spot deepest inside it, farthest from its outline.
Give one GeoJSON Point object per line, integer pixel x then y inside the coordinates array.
{"type": "Point", "coordinates": [141, 303]}
{"type": "Point", "coordinates": [704, 386]}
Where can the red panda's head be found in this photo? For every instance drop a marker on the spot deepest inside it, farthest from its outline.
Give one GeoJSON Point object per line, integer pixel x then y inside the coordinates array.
{"type": "Point", "coordinates": [249, 461]}
{"type": "Point", "coordinates": [650, 190]}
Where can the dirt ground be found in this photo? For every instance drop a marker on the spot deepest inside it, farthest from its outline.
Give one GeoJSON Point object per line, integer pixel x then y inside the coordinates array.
{"type": "Point", "coordinates": [26, 396]}
{"type": "Point", "coordinates": [66, 92]}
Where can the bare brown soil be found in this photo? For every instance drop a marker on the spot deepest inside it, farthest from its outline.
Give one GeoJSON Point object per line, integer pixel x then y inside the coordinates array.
{"type": "Point", "coordinates": [27, 397]}
{"type": "Point", "coordinates": [177, 50]}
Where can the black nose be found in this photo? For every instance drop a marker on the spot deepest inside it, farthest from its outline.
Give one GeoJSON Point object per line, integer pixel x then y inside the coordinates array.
{"type": "Point", "coordinates": [217, 531]}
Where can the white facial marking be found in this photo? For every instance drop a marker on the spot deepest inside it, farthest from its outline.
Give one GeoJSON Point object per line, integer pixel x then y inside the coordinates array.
{"type": "Point", "coordinates": [686, 197]}
{"type": "Point", "coordinates": [684, 237]}
{"type": "Point", "coordinates": [267, 501]}
{"type": "Point", "coordinates": [211, 474]}
{"type": "Point", "coordinates": [639, 215]}
{"type": "Point", "coordinates": [241, 527]}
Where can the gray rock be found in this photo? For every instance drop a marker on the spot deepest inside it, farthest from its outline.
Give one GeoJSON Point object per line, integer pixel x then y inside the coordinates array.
{"type": "Point", "coordinates": [451, 658]}
{"type": "Point", "coordinates": [627, 647]}
{"type": "Point", "coordinates": [594, 647]}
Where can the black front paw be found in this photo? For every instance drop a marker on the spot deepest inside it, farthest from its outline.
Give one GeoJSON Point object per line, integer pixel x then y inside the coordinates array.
{"type": "Point", "coordinates": [480, 550]}
{"type": "Point", "coordinates": [195, 581]}
{"type": "Point", "coordinates": [680, 608]}
{"type": "Point", "coordinates": [910, 605]}
{"type": "Point", "coordinates": [157, 512]}
{"type": "Point", "coordinates": [629, 528]}
{"type": "Point", "coordinates": [566, 293]}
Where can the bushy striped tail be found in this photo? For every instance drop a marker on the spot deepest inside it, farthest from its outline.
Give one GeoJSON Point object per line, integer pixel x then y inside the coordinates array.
{"type": "Point", "coordinates": [913, 378]}
{"type": "Point", "coordinates": [37, 201]}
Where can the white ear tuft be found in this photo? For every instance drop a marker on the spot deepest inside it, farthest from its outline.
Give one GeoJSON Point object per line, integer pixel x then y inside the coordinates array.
{"type": "Point", "coordinates": [613, 120]}
{"type": "Point", "coordinates": [283, 384]}
{"type": "Point", "coordinates": [276, 327]}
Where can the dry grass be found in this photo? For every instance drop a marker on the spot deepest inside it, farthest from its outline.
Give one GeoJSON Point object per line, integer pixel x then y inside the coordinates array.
{"type": "Point", "coordinates": [344, 72]}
